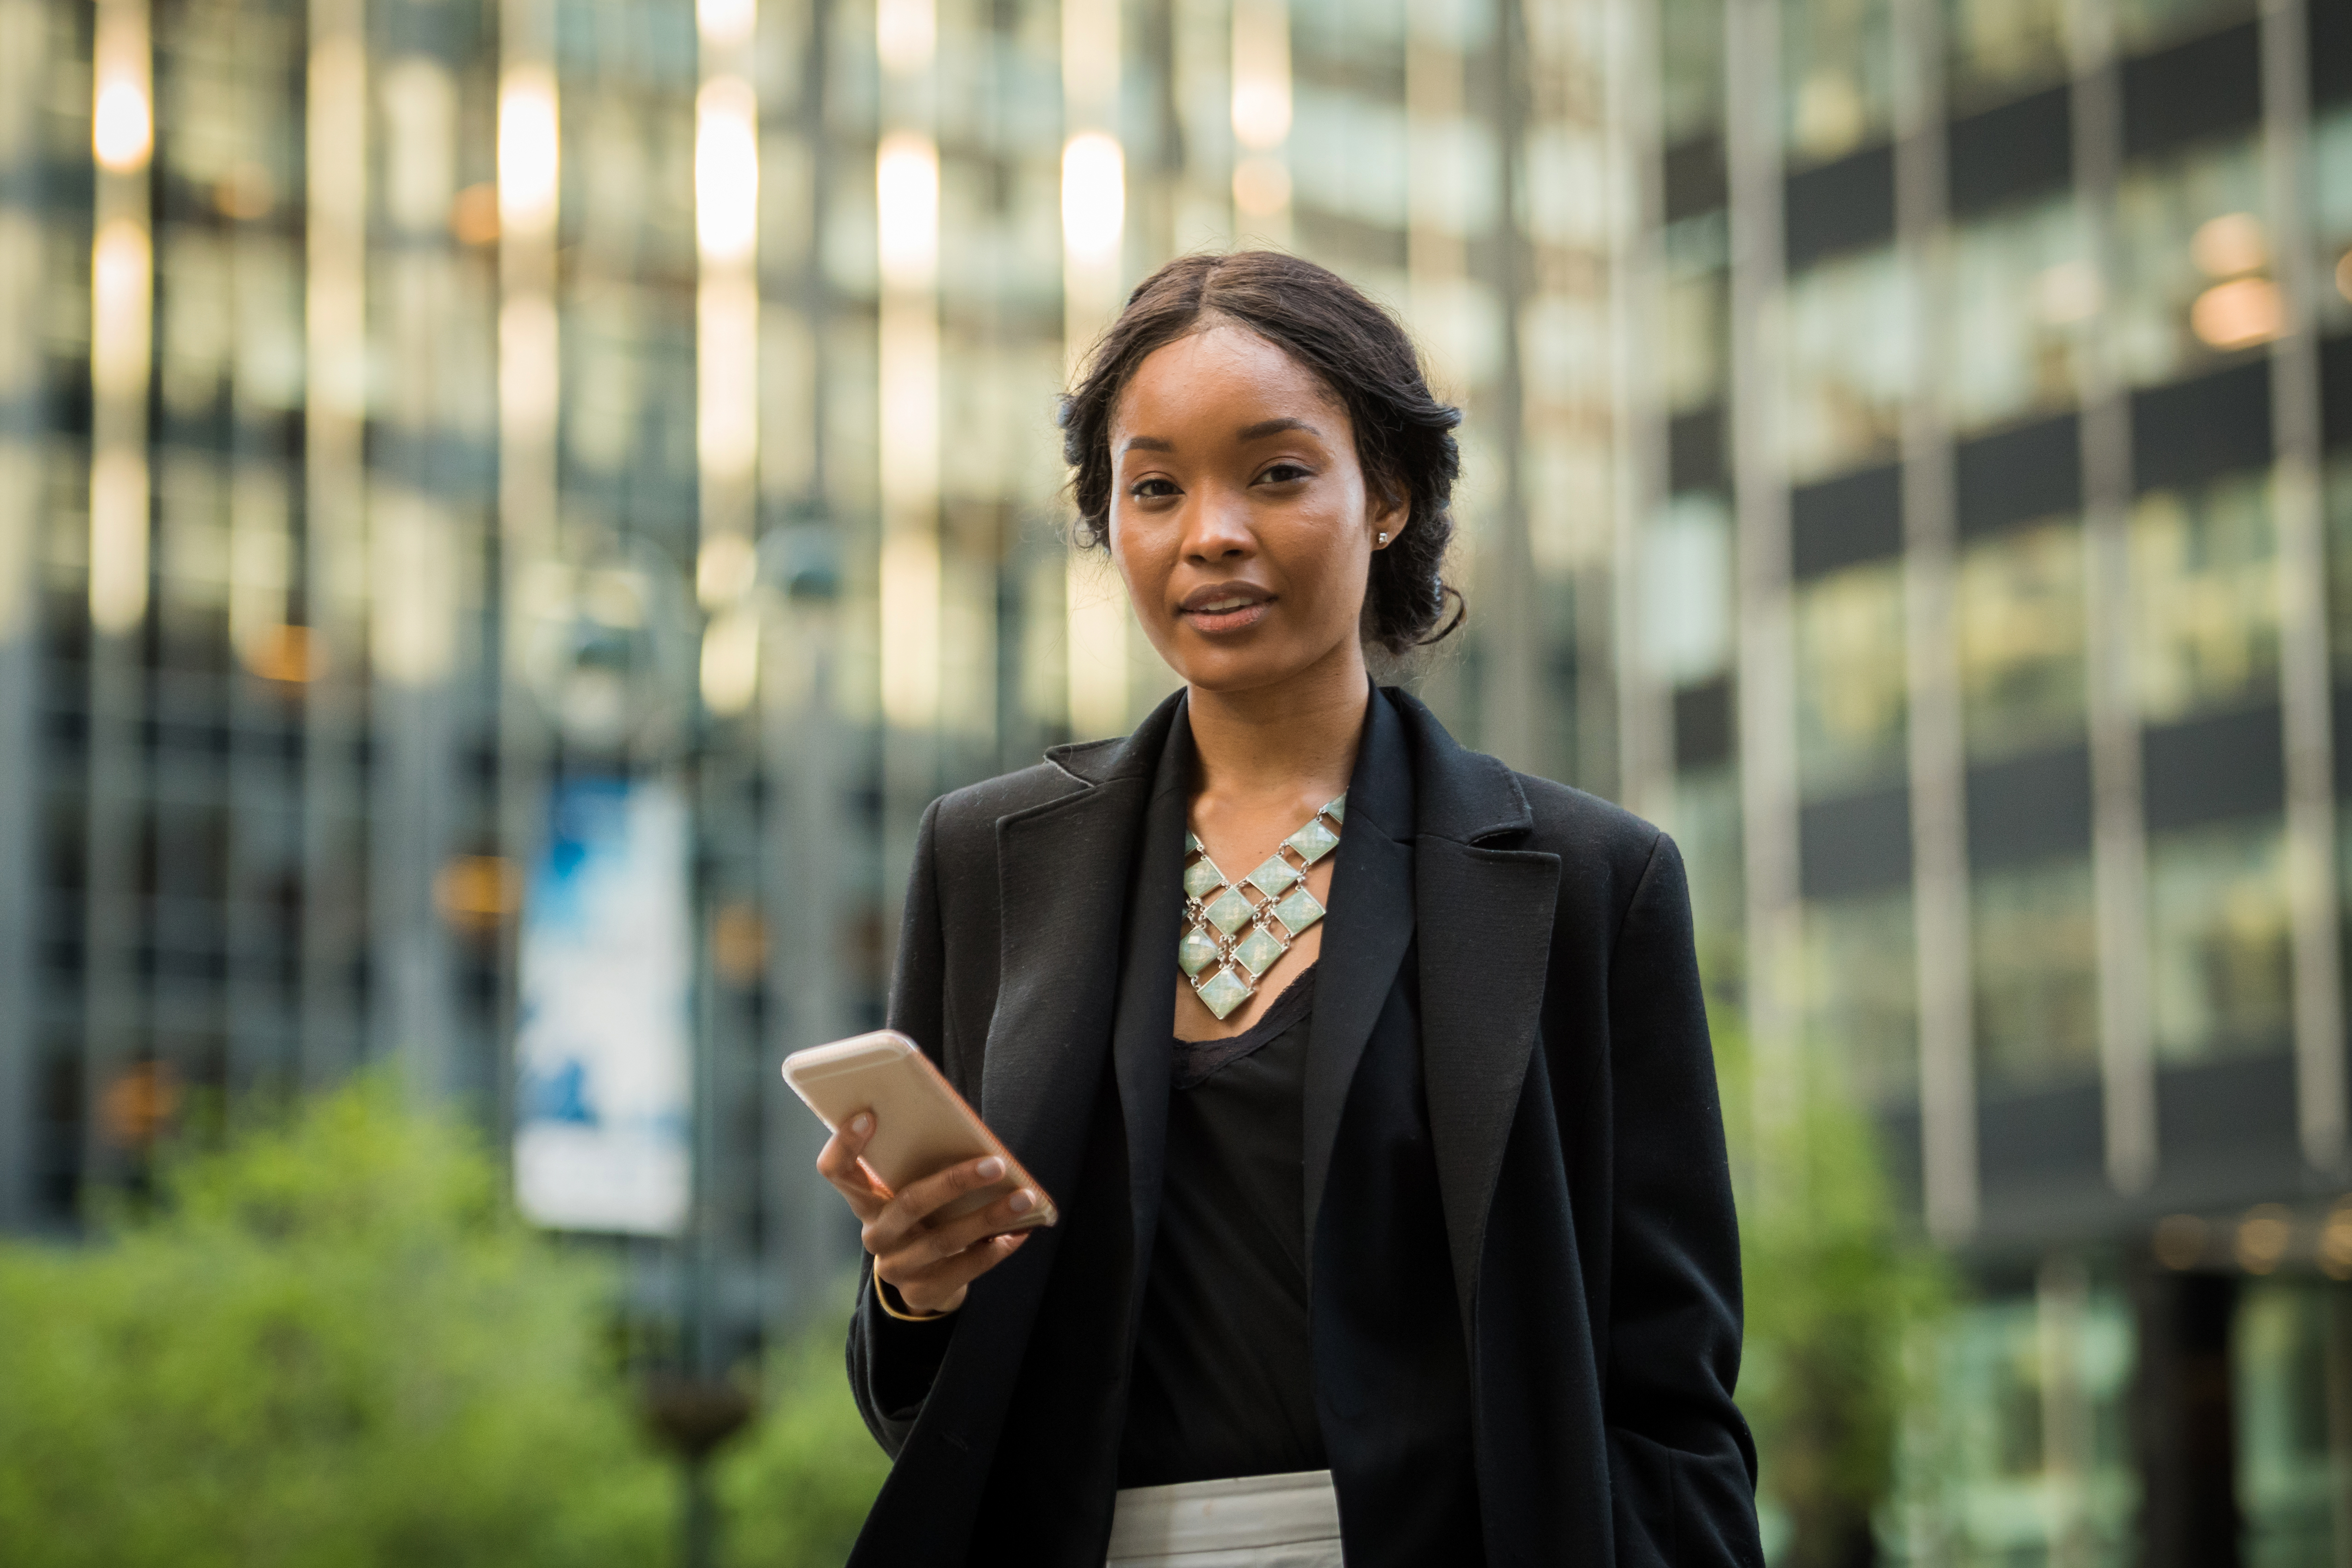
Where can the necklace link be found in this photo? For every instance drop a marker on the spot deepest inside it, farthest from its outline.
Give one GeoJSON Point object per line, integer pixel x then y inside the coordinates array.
{"type": "Point", "coordinates": [1232, 938]}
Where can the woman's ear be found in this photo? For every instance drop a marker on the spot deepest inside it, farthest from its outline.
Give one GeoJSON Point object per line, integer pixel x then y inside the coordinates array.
{"type": "Point", "coordinates": [1391, 512]}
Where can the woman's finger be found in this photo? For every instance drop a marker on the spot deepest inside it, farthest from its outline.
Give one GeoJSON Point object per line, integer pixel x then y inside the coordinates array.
{"type": "Point", "coordinates": [951, 1239]}
{"type": "Point", "coordinates": [918, 1201]}
{"type": "Point", "coordinates": [941, 1287]}
{"type": "Point", "coordinates": [837, 1163]}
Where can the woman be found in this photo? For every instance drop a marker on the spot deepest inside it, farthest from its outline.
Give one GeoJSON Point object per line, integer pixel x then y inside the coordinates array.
{"type": "Point", "coordinates": [1373, 1078]}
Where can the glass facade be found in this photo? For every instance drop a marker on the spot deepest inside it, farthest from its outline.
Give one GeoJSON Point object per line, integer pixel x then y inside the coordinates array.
{"type": "Point", "coordinates": [410, 409]}
{"type": "Point", "coordinates": [2023, 645]}
{"type": "Point", "coordinates": [2017, 367]}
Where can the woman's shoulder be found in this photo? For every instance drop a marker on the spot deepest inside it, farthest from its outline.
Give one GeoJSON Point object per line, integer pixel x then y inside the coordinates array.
{"type": "Point", "coordinates": [1568, 819]}
{"type": "Point", "coordinates": [1482, 799]}
{"type": "Point", "coordinates": [976, 808]}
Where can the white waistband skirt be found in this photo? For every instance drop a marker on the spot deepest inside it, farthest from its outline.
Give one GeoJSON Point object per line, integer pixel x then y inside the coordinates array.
{"type": "Point", "coordinates": [1250, 1521]}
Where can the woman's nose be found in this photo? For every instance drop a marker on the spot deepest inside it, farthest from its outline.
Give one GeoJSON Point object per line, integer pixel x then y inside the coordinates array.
{"type": "Point", "coordinates": [1216, 527]}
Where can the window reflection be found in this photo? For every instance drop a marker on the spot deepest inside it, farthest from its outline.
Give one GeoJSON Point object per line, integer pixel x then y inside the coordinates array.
{"type": "Point", "coordinates": [1837, 57]}
{"type": "Point", "coordinates": [1851, 692]}
{"type": "Point", "coordinates": [2037, 983]}
{"type": "Point", "coordinates": [2339, 561]}
{"type": "Point", "coordinates": [1690, 38]}
{"type": "Point", "coordinates": [2192, 260]}
{"type": "Point", "coordinates": [2022, 297]}
{"type": "Point", "coordinates": [2004, 49]}
{"type": "Point", "coordinates": [1705, 826]}
{"type": "Point", "coordinates": [2219, 939]}
{"type": "Point", "coordinates": [2205, 594]}
{"type": "Point", "coordinates": [1849, 355]}
{"type": "Point", "coordinates": [1696, 362]}
{"type": "Point", "coordinates": [2019, 614]}
{"type": "Point", "coordinates": [1861, 1001]}
{"type": "Point", "coordinates": [2142, 23]}
{"type": "Point", "coordinates": [2331, 218]}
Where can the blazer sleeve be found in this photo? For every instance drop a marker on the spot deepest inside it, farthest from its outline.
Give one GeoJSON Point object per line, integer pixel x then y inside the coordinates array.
{"type": "Point", "coordinates": [891, 1362]}
{"type": "Point", "coordinates": [1683, 1465]}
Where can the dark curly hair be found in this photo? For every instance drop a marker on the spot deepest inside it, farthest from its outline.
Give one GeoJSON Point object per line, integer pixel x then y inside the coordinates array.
{"type": "Point", "coordinates": [1404, 437]}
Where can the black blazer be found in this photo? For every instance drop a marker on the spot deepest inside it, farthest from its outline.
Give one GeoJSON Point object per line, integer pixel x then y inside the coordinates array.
{"type": "Point", "coordinates": [1567, 1104]}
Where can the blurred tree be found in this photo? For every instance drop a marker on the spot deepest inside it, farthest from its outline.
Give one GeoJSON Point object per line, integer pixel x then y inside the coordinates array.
{"type": "Point", "coordinates": [795, 1489]}
{"type": "Point", "coordinates": [1840, 1284]}
{"type": "Point", "coordinates": [331, 1345]}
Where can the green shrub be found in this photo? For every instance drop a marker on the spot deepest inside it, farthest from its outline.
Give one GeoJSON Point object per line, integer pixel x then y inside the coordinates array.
{"type": "Point", "coordinates": [331, 1345]}
{"type": "Point", "coordinates": [794, 1490]}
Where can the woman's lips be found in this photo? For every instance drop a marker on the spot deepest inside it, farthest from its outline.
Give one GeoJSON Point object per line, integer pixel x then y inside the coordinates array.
{"type": "Point", "coordinates": [1216, 621]}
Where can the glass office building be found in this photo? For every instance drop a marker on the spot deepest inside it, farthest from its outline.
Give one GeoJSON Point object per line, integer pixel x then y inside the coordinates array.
{"type": "Point", "coordinates": [2000, 407]}
{"type": "Point", "coordinates": [418, 416]}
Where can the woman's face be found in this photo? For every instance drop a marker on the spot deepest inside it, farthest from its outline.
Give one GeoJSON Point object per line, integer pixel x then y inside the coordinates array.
{"type": "Point", "coordinates": [1239, 516]}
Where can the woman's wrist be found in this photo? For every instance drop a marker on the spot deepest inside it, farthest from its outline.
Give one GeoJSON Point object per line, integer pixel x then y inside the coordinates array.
{"type": "Point", "coordinates": [900, 1308]}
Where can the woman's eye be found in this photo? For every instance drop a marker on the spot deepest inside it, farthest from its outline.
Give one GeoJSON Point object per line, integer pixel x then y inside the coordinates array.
{"type": "Point", "coordinates": [1151, 489]}
{"type": "Point", "coordinates": [1283, 474]}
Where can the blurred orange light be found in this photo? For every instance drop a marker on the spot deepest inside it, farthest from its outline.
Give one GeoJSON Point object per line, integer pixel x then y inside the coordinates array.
{"type": "Point", "coordinates": [139, 1104]}
{"type": "Point", "coordinates": [2229, 245]}
{"type": "Point", "coordinates": [2238, 314]}
{"type": "Point", "coordinates": [738, 943]}
{"type": "Point", "coordinates": [244, 193]}
{"type": "Point", "coordinates": [122, 125]}
{"type": "Point", "coordinates": [474, 215]}
{"type": "Point", "coordinates": [283, 653]}
{"type": "Point", "coordinates": [477, 891]}
{"type": "Point", "coordinates": [2263, 1236]}
{"type": "Point", "coordinates": [2343, 275]}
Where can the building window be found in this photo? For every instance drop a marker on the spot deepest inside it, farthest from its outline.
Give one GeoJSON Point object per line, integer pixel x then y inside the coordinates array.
{"type": "Point", "coordinates": [2283, 1359]}
{"type": "Point", "coordinates": [1686, 590]}
{"type": "Point", "coordinates": [2022, 297]}
{"type": "Point", "coordinates": [1838, 68]}
{"type": "Point", "coordinates": [2205, 590]}
{"type": "Point", "coordinates": [2004, 49]}
{"type": "Point", "coordinates": [1852, 697]}
{"type": "Point", "coordinates": [2020, 612]}
{"type": "Point", "coordinates": [2143, 24]}
{"type": "Point", "coordinates": [2037, 979]}
{"type": "Point", "coordinates": [1690, 40]}
{"type": "Point", "coordinates": [1862, 998]}
{"type": "Point", "coordinates": [2339, 561]}
{"type": "Point", "coordinates": [2331, 160]}
{"type": "Point", "coordinates": [1695, 360]}
{"type": "Point", "coordinates": [1849, 355]}
{"type": "Point", "coordinates": [1985, 1454]}
{"type": "Point", "coordinates": [2219, 939]}
{"type": "Point", "coordinates": [1705, 827]}
{"type": "Point", "coordinates": [2192, 261]}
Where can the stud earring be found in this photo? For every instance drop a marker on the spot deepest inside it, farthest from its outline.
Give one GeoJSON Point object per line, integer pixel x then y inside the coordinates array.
{"type": "Point", "coordinates": [1384, 539]}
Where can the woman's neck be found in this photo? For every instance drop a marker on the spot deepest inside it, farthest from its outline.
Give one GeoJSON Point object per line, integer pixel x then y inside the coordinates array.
{"type": "Point", "coordinates": [1278, 744]}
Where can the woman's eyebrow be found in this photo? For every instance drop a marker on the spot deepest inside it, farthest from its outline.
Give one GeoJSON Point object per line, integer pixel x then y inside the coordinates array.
{"type": "Point", "coordinates": [1145, 444]}
{"type": "Point", "coordinates": [1265, 428]}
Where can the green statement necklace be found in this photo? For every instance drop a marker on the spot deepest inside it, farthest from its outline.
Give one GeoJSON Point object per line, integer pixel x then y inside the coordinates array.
{"type": "Point", "coordinates": [1236, 931]}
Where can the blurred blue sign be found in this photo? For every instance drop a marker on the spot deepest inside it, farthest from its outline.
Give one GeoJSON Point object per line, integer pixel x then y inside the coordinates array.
{"type": "Point", "coordinates": [603, 1048]}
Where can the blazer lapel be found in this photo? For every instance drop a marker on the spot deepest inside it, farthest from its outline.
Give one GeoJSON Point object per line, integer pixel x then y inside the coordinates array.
{"type": "Point", "coordinates": [1063, 872]}
{"type": "Point", "coordinates": [1364, 936]}
{"type": "Point", "coordinates": [1485, 918]}
{"type": "Point", "coordinates": [1146, 1023]}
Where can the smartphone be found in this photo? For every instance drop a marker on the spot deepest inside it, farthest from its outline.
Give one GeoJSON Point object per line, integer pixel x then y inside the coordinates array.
{"type": "Point", "coordinates": [921, 1125]}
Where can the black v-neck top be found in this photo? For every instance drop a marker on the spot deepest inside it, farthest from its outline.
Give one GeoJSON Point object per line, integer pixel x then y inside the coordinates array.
{"type": "Point", "coordinates": [1223, 1384]}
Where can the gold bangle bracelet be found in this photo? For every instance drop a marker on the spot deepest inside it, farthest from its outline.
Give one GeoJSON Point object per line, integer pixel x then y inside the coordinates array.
{"type": "Point", "coordinates": [883, 1295]}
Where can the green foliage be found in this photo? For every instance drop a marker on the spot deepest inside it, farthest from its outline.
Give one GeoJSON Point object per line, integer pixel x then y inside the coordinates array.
{"type": "Point", "coordinates": [795, 1489]}
{"type": "Point", "coordinates": [1838, 1284]}
{"type": "Point", "coordinates": [331, 1344]}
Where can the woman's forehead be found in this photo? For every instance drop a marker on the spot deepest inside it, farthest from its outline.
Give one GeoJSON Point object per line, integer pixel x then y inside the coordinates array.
{"type": "Point", "coordinates": [1224, 373]}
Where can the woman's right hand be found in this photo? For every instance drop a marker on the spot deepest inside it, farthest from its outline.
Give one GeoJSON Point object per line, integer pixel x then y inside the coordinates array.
{"type": "Point", "coordinates": [929, 1265]}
